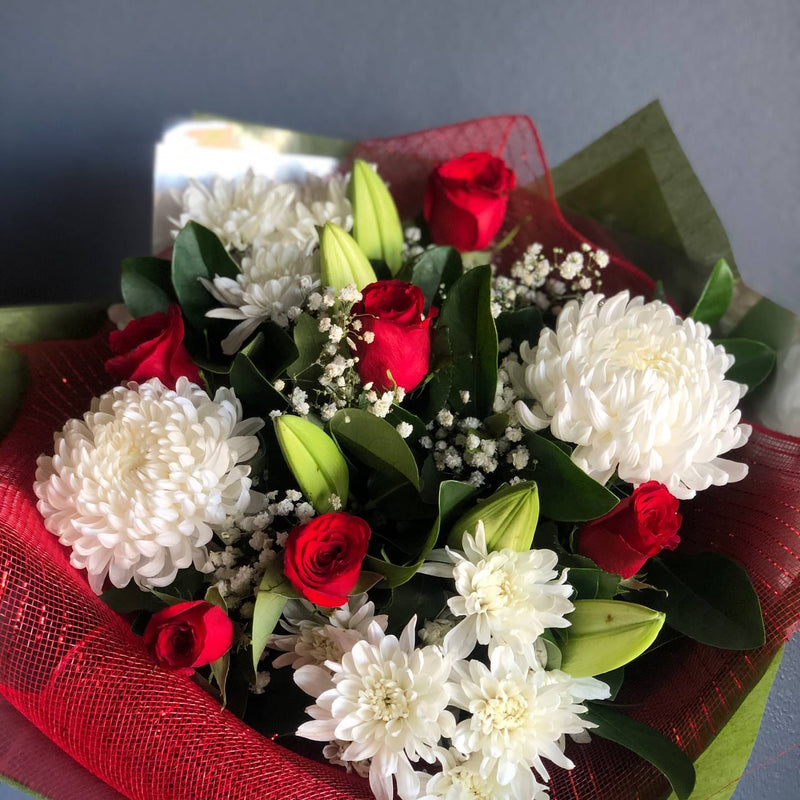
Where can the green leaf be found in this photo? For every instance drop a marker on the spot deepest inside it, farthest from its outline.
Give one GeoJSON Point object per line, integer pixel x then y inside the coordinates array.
{"type": "Point", "coordinates": [309, 341]}
{"type": "Point", "coordinates": [566, 492]}
{"type": "Point", "coordinates": [436, 270]}
{"type": "Point", "coordinates": [257, 395]}
{"type": "Point", "coordinates": [198, 253]}
{"type": "Point", "coordinates": [375, 443]}
{"type": "Point", "coordinates": [376, 223]}
{"type": "Point", "coordinates": [754, 361]}
{"type": "Point", "coordinates": [606, 634]}
{"type": "Point", "coordinates": [520, 326]}
{"type": "Point", "coordinates": [315, 461]}
{"type": "Point", "coordinates": [452, 497]}
{"type": "Point", "coordinates": [131, 598]}
{"type": "Point", "coordinates": [716, 296]}
{"type": "Point", "coordinates": [509, 518]}
{"type": "Point", "coordinates": [648, 743]}
{"type": "Point", "coordinates": [221, 667]}
{"type": "Point", "coordinates": [341, 260]}
{"type": "Point", "coordinates": [613, 680]}
{"type": "Point", "coordinates": [593, 584]}
{"type": "Point", "coordinates": [709, 598]}
{"type": "Point", "coordinates": [146, 285]}
{"type": "Point", "coordinates": [723, 762]}
{"type": "Point", "coordinates": [467, 322]}
{"type": "Point", "coordinates": [274, 592]}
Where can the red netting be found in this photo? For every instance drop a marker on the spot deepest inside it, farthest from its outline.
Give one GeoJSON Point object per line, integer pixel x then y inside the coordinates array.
{"type": "Point", "coordinates": [73, 667]}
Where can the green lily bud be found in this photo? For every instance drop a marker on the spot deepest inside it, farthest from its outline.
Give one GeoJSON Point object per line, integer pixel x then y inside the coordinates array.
{"type": "Point", "coordinates": [376, 223]}
{"type": "Point", "coordinates": [606, 634]}
{"type": "Point", "coordinates": [509, 518]}
{"type": "Point", "coordinates": [342, 261]}
{"type": "Point", "coordinates": [315, 461]}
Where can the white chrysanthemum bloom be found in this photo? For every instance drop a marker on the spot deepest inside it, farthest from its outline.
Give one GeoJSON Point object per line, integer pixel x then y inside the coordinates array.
{"type": "Point", "coordinates": [517, 715]}
{"type": "Point", "coordinates": [388, 700]}
{"type": "Point", "coordinates": [135, 487]}
{"type": "Point", "coordinates": [238, 211]}
{"type": "Point", "coordinates": [461, 779]}
{"type": "Point", "coordinates": [277, 278]}
{"type": "Point", "coordinates": [505, 597]}
{"type": "Point", "coordinates": [314, 637]}
{"type": "Point", "coordinates": [639, 390]}
{"type": "Point", "coordinates": [334, 752]}
{"type": "Point", "coordinates": [316, 201]}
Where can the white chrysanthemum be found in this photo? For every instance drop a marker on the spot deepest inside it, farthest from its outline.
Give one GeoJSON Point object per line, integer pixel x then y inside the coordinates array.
{"type": "Point", "coordinates": [315, 638]}
{"type": "Point", "coordinates": [505, 597]}
{"type": "Point", "coordinates": [461, 779]}
{"type": "Point", "coordinates": [238, 210]}
{"type": "Point", "coordinates": [388, 700]}
{"type": "Point", "coordinates": [517, 715]}
{"type": "Point", "coordinates": [639, 390]}
{"type": "Point", "coordinates": [135, 486]}
{"type": "Point", "coordinates": [252, 210]}
{"type": "Point", "coordinates": [277, 278]}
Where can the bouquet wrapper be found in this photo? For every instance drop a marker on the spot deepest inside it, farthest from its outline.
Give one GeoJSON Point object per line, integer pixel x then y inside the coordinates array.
{"type": "Point", "coordinates": [73, 668]}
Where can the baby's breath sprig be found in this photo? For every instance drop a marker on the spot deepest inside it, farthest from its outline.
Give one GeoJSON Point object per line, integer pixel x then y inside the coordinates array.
{"type": "Point", "coordinates": [548, 283]}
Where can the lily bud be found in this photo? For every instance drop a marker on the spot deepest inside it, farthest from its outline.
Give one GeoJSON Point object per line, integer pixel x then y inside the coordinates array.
{"type": "Point", "coordinates": [376, 223]}
{"type": "Point", "coordinates": [606, 634]}
{"type": "Point", "coordinates": [315, 461]}
{"type": "Point", "coordinates": [509, 518]}
{"type": "Point", "coordinates": [342, 261]}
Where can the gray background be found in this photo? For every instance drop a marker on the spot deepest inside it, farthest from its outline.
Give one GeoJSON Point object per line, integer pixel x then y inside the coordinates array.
{"type": "Point", "coordinates": [86, 87]}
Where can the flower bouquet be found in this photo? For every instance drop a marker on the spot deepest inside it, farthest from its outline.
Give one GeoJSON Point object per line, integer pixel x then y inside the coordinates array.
{"type": "Point", "coordinates": [400, 480]}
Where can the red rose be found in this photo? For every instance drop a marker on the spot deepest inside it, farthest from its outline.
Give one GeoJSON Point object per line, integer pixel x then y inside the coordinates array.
{"type": "Point", "coordinates": [466, 199]}
{"type": "Point", "coordinates": [152, 347]}
{"type": "Point", "coordinates": [323, 557]}
{"type": "Point", "coordinates": [638, 528]}
{"type": "Point", "coordinates": [188, 635]}
{"type": "Point", "coordinates": [392, 312]}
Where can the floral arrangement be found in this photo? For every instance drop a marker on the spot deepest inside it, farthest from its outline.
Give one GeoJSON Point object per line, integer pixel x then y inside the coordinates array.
{"type": "Point", "coordinates": [406, 495]}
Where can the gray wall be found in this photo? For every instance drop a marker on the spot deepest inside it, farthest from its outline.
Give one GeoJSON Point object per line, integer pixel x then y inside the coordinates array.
{"type": "Point", "coordinates": [86, 87]}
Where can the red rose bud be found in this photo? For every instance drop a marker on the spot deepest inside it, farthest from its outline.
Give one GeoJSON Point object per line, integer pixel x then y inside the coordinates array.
{"type": "Point", "coordinates": [188, 635]}
{"type": "Point", "coordinates": [639, 527]}
{"type": "Point", "coordinates": [466, 199]}
{"type": "Point", "coordinates": [400, 351]}
{"type": "Point", "coordinates": [323, 557]}
{"type": "Point", "coordinates": [152, 347]}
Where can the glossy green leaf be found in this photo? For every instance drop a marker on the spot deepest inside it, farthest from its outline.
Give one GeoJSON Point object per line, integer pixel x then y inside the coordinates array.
{"type": "Point", "coordinates": [724, 761]}
{"type": "Point", "coordinates": [131, 598]}
{"type": "Point", "coordinates": [709, 598]}
{"type": "Point", "coordinates": [315, 461]}
{"type": "Point", "coordinates": [471, 339]}
{"type": "Point", "coordinates": [453, 495]}
{"type": "Point", "coordinates": [198, 253]}
{"type": "Point", "coordinates": [376, 223]}
{"type": "Point", "coordinates": [274, 592]}
{"type": "Point", "coordinates": [257, 394]}
{"type": "Point", "coordinates": [520, 326]}
{"type": "Point", "coordinates": [754, 361]}
{"type": "Point", "coordinates": [221, 667]}
{"type": "Point", "coordinates": [375, 443]}
{"type": "Point", "coordinates": [593, 584]}
{"type": "Point", "coordinates": [648, 743]}
{"type": "Point", "coordinates": [606, 634]}
{"type": "Point", "coordinates": [146, 285]}
{"type": "Point", "coordinates": [342, 261]}
{"type": "Point", "coordinates": [566, 492]}
{"type": "Point", "coordinates": [716, 296]}
{"type": "Point", "coordinates": [435, 271]}
{"type": "Point", "coordinates": [509, 518]}
{"type": "Point", "coordinates": [309, 341]}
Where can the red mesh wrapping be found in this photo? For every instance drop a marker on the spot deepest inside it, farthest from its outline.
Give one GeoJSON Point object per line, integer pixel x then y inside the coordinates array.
{"type": "Point", "coordinates": [73, 667]}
